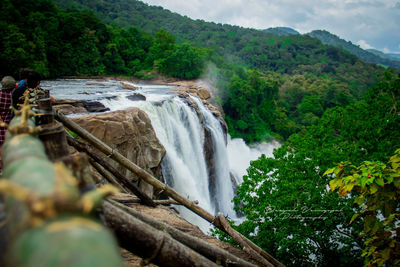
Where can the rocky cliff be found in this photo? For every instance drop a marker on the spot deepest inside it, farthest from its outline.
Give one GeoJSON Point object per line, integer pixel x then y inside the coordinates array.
{"type": "Point", "coordinates": [130, 133]}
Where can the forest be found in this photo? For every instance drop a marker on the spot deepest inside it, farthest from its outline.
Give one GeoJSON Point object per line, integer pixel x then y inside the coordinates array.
{"type": "Point", "coordinates": [331, 111]}
{"type": "Point", "coordinates": [310, 76]}
{"type": "Point", "coordinates": [57, 42]}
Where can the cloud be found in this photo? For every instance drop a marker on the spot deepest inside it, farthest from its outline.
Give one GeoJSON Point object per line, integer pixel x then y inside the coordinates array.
{"type": "Point", "coordinates": [364, 45]}
{"type": "Point", "coordinates": [374, 21]}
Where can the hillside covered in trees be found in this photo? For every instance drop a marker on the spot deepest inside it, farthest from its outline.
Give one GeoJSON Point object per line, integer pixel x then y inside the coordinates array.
{"type": "Point", "coordinates": [58, 42]}
{"type": "Point", "coordinates": [269, 85]}
{"type": "Point", "coordinates": [310, 76]}
{"type": "Point", "coordinates": [369, 55]}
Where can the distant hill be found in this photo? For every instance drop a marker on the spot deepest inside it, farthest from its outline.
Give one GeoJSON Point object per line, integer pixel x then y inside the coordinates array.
{"type": "Point", "coordinates": [283, 31]}
{"type": "Point", "coordinates": [252, 48]}
{"type": "Point", "coordinates": [373, 56]}
{"type": "Point", "coordinates": [384, 55]}
{"type": "Point", "coordinates": [396, 56]}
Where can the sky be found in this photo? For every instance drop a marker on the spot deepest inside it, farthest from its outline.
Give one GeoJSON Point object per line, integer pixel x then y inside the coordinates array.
{"type": "Point", "coordinates": [367, 23]}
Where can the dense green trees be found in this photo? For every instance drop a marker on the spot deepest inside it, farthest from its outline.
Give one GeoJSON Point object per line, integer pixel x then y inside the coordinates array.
{"type": "Point", "coordinates": [56, 42]}
{"type": "Point", "coordinates": [289, 209]}
{"type": "Point", "coordinates": [311, 77]}
{"type": "Point", "coordinates": [249, 104]}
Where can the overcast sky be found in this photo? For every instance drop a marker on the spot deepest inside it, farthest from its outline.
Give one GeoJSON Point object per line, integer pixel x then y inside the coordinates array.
{"type": "Point", "coordinates": [368, 23]}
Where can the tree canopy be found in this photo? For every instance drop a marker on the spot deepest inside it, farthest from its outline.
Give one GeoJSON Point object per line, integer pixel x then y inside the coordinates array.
{"type": "Point", "coordinates": [289, 209]}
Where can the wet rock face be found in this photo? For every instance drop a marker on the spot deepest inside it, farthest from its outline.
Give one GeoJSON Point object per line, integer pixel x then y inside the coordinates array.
{"type": "Point", "coordinates": [130, 133]}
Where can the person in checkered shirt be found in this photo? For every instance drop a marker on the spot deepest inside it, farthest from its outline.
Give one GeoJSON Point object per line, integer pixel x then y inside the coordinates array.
{"type": "Point", "coordinates": [8, 84]}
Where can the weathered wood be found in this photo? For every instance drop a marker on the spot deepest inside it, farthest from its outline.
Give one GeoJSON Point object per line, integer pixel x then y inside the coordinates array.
{"type": "Point", "coordinates": [53, 137]}
{"type": "Point", "coordinates": [106, 175]}
{"type": "Point", "coordinates": [242, 243]}
{"type": "Point", "coordinates": [131, 199]}
{"type": "Point", "coordinates": [45, 110]}
{"type": "Point", "coordinates": [150, 243]}
{"type": "Point", "coordinates": [147, 177]}
{"type": "Point", "coordinates": [121, 178]}
{"type": "Point", "coordinates": [206, 249]}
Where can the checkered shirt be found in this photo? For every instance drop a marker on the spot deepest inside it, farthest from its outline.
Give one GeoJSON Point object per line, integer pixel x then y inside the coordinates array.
{"type": "Point", "coordinates": [5, 112]}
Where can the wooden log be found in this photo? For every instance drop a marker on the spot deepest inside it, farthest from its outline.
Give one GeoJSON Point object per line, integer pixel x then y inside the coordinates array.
{"type": "Point", "coordinates": [106, 175]}
{"type": "Point", "coordinates": [206, 249]}
{"type": "Point", "coordinates": [147, 177]}
{"type": "Point", "coordinates": [240, 240]}
{"type": "Point", "coordinates": [53, 137]}
{"type": "Point", "coordinates": [121, 178]}
{"type": "Point", "coordinates": [46, 225]}
{"type": "Point", "coordinates": [150, 243]}
{"type": "Point", "coordinates": [131, 199]}
{"type": "Point", "coordinates": [45, 109]}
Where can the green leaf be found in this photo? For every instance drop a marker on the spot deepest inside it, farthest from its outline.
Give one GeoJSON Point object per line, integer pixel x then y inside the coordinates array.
{"type": "Point", "coordinates": [354, 217]}
{"type": "Point", "coordinates": [380, 182]}
{"type": "Point", "coordinates": [363, 181]}
{"type": "Point", "coordinates": [359, 200]}
{"type": "Point", "coordinates": [396, 182]}
{"type": "Point", "coordinates": [373, 189]}
{"type": "Point", "coordinates": [328, 171]}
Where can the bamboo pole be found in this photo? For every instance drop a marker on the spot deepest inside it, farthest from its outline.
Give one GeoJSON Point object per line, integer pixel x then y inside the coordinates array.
{"type": "Point", "coordinates": [210, 251]}
{"type": "Point", "coordinates": [131, 199]}
{"type": "Point", "coordinates": [150, 243]}
{"type": "Point", "coordinates": [248, 245]}
{"type": "Point", "coordinates": [106, 175]}
{"type": "Point", "coordinates": [82, 147]}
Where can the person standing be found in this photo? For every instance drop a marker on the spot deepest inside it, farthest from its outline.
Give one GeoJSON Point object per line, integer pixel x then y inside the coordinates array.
{"type": "Point", "coordinates": [23, 77]}
{"type": "Point", "coordinates": [8, 84]}
{"type": "Point", "coordinates": [33, 81]}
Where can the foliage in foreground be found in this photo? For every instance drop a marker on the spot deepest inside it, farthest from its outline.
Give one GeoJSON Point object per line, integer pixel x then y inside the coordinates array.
{"type": "Point", "coordinates": [377, 189]}
{"type": "Point", "coordinates": [290, 211]}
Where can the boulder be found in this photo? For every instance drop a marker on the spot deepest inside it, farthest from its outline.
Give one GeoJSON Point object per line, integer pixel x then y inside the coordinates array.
{"type": "Point", "coordinates": [95, 83]}
{"type": "Point", "coordinates": [68, 109]}
{"type": "Point", "coordinates": [136, 97]}
{"type": "Point", "coordinates": [94, 106]}
{"type": "Point", "coordinates": [128, 86]}
{"type": "Point", "coordinates": [130, 133]}
{"type": "Point", "coordinates": [70, 106]}
{"type": "Point", "coordinates": [203, 93]}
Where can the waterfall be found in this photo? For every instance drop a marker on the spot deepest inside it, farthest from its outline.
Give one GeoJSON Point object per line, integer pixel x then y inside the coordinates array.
{"type": "Point", "coordinates": [186, 167]}
{"type": "Point", "coordinates": [200, 163]}
{"type": "Point", "coordinates": [221, 187]}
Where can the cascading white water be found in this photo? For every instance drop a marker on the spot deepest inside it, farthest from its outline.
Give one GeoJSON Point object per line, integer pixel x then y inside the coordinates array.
{"type": "Point", "coordinates": [184, 167]}
{"type": "Point", "coordinates": [193, 172]}
{"type": "Point", "coordinates": [223, 188]}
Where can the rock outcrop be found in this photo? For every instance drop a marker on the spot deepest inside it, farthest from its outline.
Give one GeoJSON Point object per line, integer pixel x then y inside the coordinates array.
{"type": "Point", "coordinates": [128, 86]}
{"type": "Point", "coordinates": [130, 133]}
{"type": "Point", "coordinates": [71, 106]}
